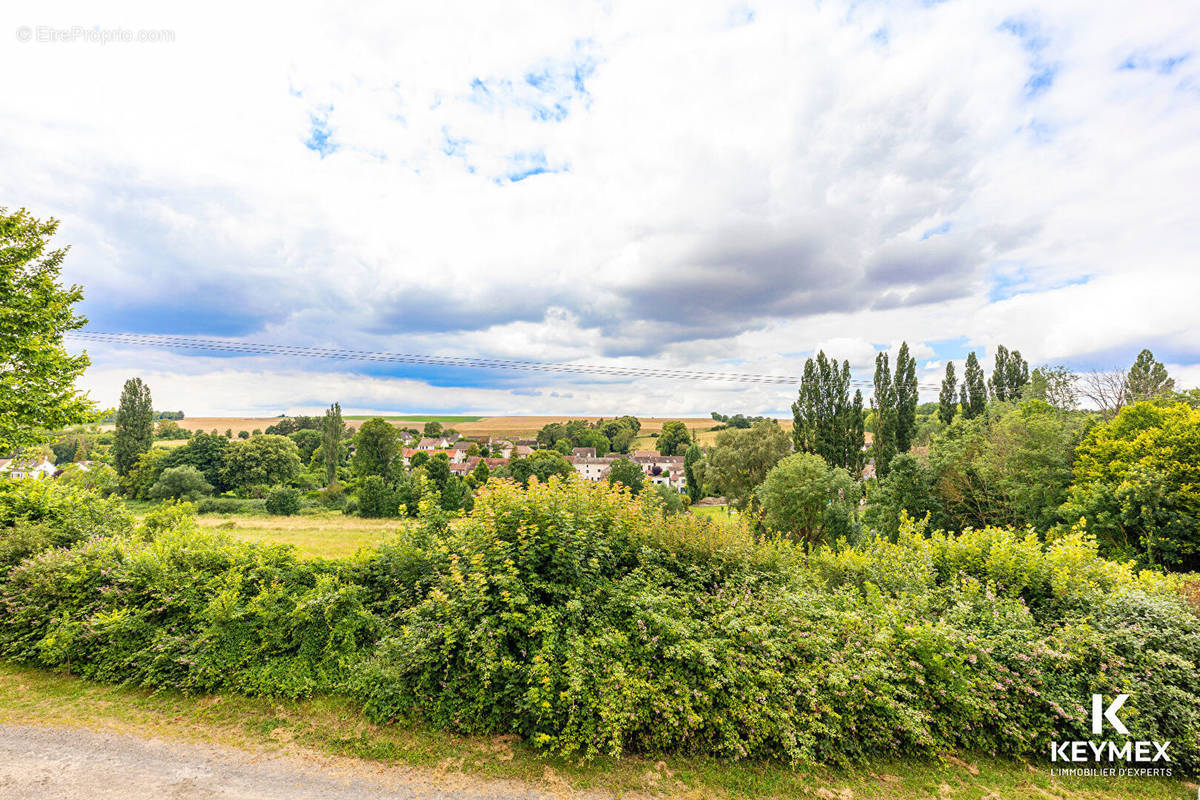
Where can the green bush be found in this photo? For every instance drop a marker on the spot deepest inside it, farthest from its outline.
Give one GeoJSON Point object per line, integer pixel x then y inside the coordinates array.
{"type": "Point", "coordinates": [230, 505]}
{"type": "Point", "coordinates": [284, 501]}
{"type": "Point", "coordinates": [587, 623]}
{"type": "Point", "coordinates": [185, 610]}
{"type": "Point", "coordinates": [39, 514]}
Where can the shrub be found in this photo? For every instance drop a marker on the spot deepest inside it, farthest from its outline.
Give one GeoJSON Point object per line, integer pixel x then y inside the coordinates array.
{"type": "Point", "coordinates": [229, 505]}
{"type": "Point", "coordinates": [186, 610]}
{"type": "Point", "coordinates": [284, 501]}
{"type": "Point", "coordinates": [180, 483]}
{"type": "Point", "coordinates": [376, 498]}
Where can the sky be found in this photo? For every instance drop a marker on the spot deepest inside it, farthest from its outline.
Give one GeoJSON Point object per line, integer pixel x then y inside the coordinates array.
{"type": "Point", "coordinates": [706, 185]}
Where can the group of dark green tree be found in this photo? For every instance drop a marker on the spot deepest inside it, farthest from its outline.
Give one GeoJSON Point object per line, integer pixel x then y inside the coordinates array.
{"type": "Point", "coordinates": [1015, 450]}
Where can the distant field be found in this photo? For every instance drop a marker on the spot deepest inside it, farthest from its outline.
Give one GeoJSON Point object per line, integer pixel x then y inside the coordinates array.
{"type": "Point", "coordinates": [479, 426]}
{"type": "Point", "coordinates": [330, 534]}
{"type": "Point", "coordinates": [445, 420]}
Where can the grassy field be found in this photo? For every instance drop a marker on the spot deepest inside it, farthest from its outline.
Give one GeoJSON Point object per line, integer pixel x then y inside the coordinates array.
{"type": "Point", "coordinates": [329, 728]}
{"type": "Point", "coordinates": [328, 534]}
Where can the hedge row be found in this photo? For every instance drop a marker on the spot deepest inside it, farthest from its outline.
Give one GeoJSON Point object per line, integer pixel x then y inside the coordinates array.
{"type": "Point", "coordinates": [585, 621]}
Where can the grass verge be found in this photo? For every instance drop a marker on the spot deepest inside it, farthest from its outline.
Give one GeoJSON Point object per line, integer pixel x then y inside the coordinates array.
{"type": "Point", "coordinates": [332, 727]}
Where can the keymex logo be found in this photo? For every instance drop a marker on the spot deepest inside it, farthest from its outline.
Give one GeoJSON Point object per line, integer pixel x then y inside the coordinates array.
{"type": "Point", "coordinates": [1104, 754]}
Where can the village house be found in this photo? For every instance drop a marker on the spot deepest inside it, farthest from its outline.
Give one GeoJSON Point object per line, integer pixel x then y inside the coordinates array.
{"type": "Point", "coordinates": [18, 468]}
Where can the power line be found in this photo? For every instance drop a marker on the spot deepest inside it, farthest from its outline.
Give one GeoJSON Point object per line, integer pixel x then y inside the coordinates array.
{"type": "Point", "coordinates": [469, 362]}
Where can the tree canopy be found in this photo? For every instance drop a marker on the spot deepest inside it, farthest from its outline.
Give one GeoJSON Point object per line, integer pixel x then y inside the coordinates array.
{"type": "Point", "coordinates": [37, 375]}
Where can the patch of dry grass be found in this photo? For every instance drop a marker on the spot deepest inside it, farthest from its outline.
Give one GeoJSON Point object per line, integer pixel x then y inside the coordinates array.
{"type": "Point", "coordinates": [328, 534]}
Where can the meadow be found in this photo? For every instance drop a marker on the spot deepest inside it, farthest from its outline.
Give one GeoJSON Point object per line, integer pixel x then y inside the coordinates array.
{"type": "Point", "coordinates": [323, 534]}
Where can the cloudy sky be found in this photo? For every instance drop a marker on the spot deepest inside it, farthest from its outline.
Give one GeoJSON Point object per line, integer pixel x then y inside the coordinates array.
{"type": "Point", "coordinates": [701, 185]}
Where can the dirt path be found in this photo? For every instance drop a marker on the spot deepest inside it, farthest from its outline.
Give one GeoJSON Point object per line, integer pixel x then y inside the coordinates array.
{"type": "Point", "coordinates": [65, 764]}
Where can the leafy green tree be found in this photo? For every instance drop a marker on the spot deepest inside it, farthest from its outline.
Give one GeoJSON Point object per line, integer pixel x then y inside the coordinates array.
{"type": "Point", "coordinates": [627, 473]}
{"type": "Point", "coordinates": [137, 482]}
{"type": "Point", "coordinates": [906, 399]}
{"type": "Point", "coordinates": [432, 428]}
{"type": "Point", "coordinates": [37, 375]}
{"type": "Point", "coordinates": [671, 501]}
{"type": "Point", "coordinates": [907, 489]}
{"type": "Point", "coordinates": [180, 483]}
{"type": "Point", "coordinates": [974, 389]}
{"type": "Point", "coordinates": [884, 405]}
{"type": "Point", "coordinates": [742, 458]}
{"type": "Point", "coordinates": [1147, 379]}
{"type": "Point", "coordinates": [540, 464]}
{"type": "Point", "coordinates": [1010, 374]}
{"type": "Point", "coordinates": [205, 452]}
{"type": "Point", "coordinates": [376, 445]}
{"type": "Point", "coordinates": [265, 460]}
{"type": "Point", "coordinates": [437, 469]}
{"type": "Point", "coordinates": [948, 397]}
{"type": "Point", "coordinates": [1137, 485]}
{"type": "Point", "coordinates": [481, 473]}
{"type": "Point", "coordinates": [332, 433]}
{"type": "Point", "coordinates": [690, 459]}
{"type": "Point", "coordinates": [1055, 386]}
{"type": "Point", "coordinates": [674, 438]}
{"type": "Point", "coordinates": [824, 420]}
{"type": "Point", "coordinates": [808, 500]}
{"type": "Point", "coordinates": [307, 441]}
{"type": "Point", "coordinates": [375, 498]}
{"type": "Point", "coordinates": [135, 425]}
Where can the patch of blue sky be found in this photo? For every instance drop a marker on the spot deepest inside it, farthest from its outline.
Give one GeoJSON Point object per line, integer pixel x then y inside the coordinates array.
{"type": "Point", "coordinates": [937, 230]}
{"type": "Point", "coordinates": [320, 133]}
{"type": "Point", "coordinates": [881, 37]}
{"type": "Point", "coordinates": [163, 316]}
{"type": "Point", "coordinates": [526, 165]}
{"type": "Point", "coordinates": [1163, 66]}
{"type": "Point", "coordinates": [1009, 281]}
{"type": "Point", "coordinates": [547, 92]}
{"type": "Point", "coordinates": [1033, 41]}
{"type": "Point", "coordinates": [740, 15]}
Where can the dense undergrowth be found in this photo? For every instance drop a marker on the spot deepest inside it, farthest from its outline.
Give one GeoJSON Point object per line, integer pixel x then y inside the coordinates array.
{"type": "Point", "coordinates": [587, 622]}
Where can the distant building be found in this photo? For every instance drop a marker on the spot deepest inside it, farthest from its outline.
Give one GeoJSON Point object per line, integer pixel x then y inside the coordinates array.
{"type": "Point", "coordinates": [18, 468]}
{"type": "Point", "coordinates": [583, 452]}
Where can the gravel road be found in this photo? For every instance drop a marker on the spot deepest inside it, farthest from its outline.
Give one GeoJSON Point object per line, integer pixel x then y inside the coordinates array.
{"type": "Point", "coordinates": [67, 764]}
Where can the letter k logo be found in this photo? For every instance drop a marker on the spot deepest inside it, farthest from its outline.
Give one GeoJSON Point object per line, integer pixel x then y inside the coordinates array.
{"type": "Point", "coordinates": [1099, 714]}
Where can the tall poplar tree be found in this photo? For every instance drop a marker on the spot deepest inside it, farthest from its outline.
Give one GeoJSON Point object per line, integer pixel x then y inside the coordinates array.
{"type": "Point", "coordinates": [906, 399]}
{"type": "Point", "coordinates": [134, 426]}
{"type": "Point", "coordinates": [884, 404]}
{"type": "Point", "coordinates": [331, 441]}
{"type": "Point", "coordinates": [974, 390]}
{"type": "Point", "coordinates": [824, 420]}
{"type": "Point", "coordinates": [948, 397]}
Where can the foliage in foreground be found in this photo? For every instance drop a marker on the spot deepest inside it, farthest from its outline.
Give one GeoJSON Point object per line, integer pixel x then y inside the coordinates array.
{"type": "Point", "coordinates": [584, 620]}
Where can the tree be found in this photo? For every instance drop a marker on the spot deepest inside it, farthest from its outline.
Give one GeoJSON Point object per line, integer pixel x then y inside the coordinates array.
{"type": "Point", "coordinates": [627, 473]}
{"type": "Point", "coordinates": [376, 445]}
{"type": "Point", "coordinates": [37, 375]}
{"type": "Point", "coordinates": [690, 459]}
{"type": "Point", "coordinates": [884, 404]}
{"type": "Point", "coordinates": [974, 389]}
{"type": "Point", "coordinates": [808, 500]}
{"type": "Point", "coordinates": [1016, 375]}
{"type": "Point", "coordinates": [205, 452]}
{"type": "Point", "coordinates": [742, 458]}
{"type": "Point", "coordinates": [180, 483]}
{"type": "Point", "coordinates": [432, 428]}
{"type": "Point", "coordinates": [135, 426]}
{"type": "Point", "coordinates": [671, 501]}
{"type": "Point", "coordinates": [1147, 379]}
{"type": "Point", "coordinates": [907, 489]}
{"type": "Point", "coordinates": [540, 464]}
{"type": "Point", "coordinates": [1108, 390]}
{"type": "Point", "coordinates": [307, 441]}
{"type": "Point", "coordinates": [674, 438]}
{"type": "Point", "coordinates": [1055, 386]}
{"type": "Point", "coordinates": [948, 397]}
{"type": "Point", "coordinates": [265, 460]}
{"type": "Point", "coordinates": [906, 399]}
{"type": "Point", "coordinates": [137, 482]}
{"type": "Point", "coordinates": [1137, 485]}
{"type": "Point", "coordinates": [376, 498]}
{"type": "Point", "coordinates": [824, 420]}
{"type": "Point", "coordinates": [332, 434]}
